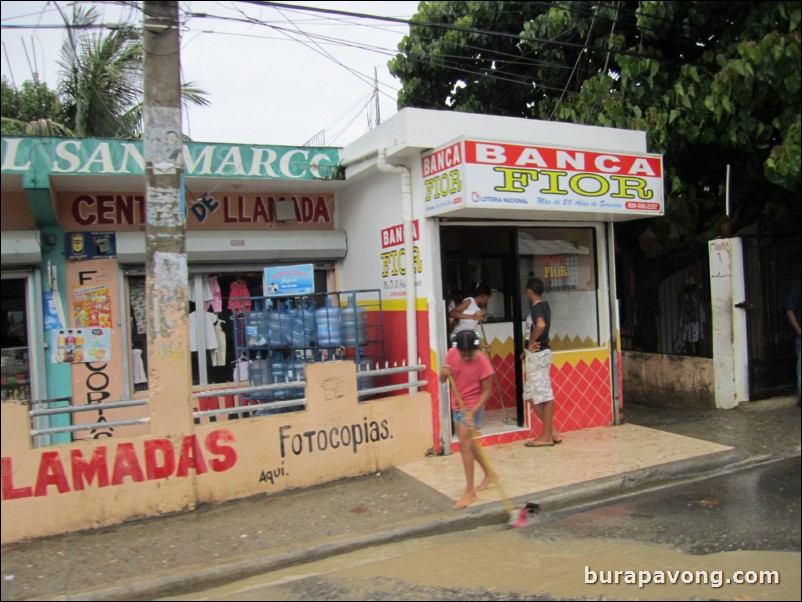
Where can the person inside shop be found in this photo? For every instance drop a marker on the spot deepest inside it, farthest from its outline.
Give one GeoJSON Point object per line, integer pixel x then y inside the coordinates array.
{"type": "Point", "coordinates": [539, 358]}
{"type": "Point", "coordinates": [469, 313]}
{"type": "Point", "coordinates": [13, 332]}
{"type": "Point", "coordinates": [693, 315]}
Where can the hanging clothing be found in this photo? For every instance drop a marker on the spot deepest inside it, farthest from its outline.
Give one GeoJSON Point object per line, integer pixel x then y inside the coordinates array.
{"type": "Point", "coordinates": [239, 289]}
{"type": "Point", "coordinates": [136, 296]}
{"type": "Point", "coordinates": [206, 293]}
{"type": "Point", "coordinates": [219, 354]}
{"type": "Point", "coordinates": [138, 367]}
{"type": "Point", "coordinates": [210, 337]}
{"type": "Point", "coordinates": [216, 303]}
{"type": "Point", "coordinates": [241, 370]}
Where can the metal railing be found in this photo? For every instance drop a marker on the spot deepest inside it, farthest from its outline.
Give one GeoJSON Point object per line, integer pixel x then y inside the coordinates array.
{"type": "Point", "coordinates": [299, 402]}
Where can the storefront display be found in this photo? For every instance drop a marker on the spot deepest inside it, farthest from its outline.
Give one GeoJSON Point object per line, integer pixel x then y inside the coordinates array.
{"type": "Point", "coordinates": [421, 208]}
{"type": "Point", "coordinates": [16, 369]}
{"type": "Point", "coordinates": [15, 377]}
{"type": "Point", "coordinates": [282, 334]}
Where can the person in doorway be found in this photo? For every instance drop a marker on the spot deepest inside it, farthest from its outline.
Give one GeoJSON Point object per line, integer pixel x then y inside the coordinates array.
{"type": "Point", "coordinates": [538, 358]}
{"type": "Point", "coordinates": [693, 315]}
{"type": "Point", "coordinates": [469, 313]}
{"type": "Point", "coordinates": [791, 307]}
{"type": "Point", "coordinates": [473, 380]}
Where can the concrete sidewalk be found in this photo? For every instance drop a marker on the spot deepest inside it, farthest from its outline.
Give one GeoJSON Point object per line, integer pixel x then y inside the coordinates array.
{"type": "Point", "coordinates": [147, 558]}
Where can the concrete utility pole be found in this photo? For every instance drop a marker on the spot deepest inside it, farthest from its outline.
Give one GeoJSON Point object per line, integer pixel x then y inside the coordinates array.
{"type": "Point", "coordinates": [169, 364]}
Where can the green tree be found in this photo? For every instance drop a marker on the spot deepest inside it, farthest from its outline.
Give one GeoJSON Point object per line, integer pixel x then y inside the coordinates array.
{"type": "Point", "coordinates": [33, 110]}
{"type": "Point", "coordinates": [711, 83]}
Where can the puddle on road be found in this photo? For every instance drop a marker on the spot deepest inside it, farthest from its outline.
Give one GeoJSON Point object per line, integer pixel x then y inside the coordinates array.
{"type": "Point", "coordinates": [512, 561]}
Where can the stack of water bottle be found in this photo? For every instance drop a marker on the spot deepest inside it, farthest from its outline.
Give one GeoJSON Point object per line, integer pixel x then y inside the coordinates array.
{"type": "Point", "coordinates": [354, 323]}
{"type": "Point", "coordinates": [281, 328]}
{"type": "Point", "coordinates": [274, 333]}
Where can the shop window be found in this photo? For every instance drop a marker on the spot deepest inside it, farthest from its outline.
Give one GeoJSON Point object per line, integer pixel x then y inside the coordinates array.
{"type": "Point", "coordinates": [565, 260]}
{"type": "Point", "coordinates": [471, 258]}
{"type": "Point", "coordinates": [213, 303]}
{"type": "Point", "coordinates": [15, 360]}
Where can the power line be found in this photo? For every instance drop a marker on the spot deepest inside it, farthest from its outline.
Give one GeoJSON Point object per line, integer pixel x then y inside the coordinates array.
{"type": "Point", "coordinates": [493, 67]}
{"type": "Point", "coordinates": [447, 26]}
{"type": "Point", "coordinates": [496, 58]}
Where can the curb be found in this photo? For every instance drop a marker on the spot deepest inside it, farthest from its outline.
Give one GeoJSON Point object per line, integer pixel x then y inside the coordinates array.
{"type": "Point", "coordinates": [194, 577]}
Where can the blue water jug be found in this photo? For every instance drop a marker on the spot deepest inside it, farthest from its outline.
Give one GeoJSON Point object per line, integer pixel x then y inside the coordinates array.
{"type": "Point", "coordinates": [252, 329]}
{"type": "Point", "coordinates": [329, 328]}
{"type": "Point", "coordinates": [302, 331]}
{"type": "Point", "coordinates": [278, 374]}
{"type": "Point", "coordinates": [294, 371]}
{"type": "Point", "coordinates": [279, 325]}
{"type": "Point", "coordinates": [354, 324]}
{"type": "Point", "coordinates": [255, 373]}
{"type": "Point", "coordinates": [367, 382]}
{"type": "Point", "coordinates": [261, 323]}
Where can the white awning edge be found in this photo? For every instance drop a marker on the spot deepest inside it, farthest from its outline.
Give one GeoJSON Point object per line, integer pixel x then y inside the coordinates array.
{"type": "Point", "coordinates": [21, 248]}
{"type": "Point", "coordinates": [231, 247]}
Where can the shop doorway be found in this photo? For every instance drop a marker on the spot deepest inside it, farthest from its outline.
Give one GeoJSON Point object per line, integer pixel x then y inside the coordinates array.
{"type": "Point", "coordinates": [487, 254]}
{"type": "Point", "coordinates": [16, 373]}
{"type": "Point", "coordinates": [772, 269]}
{"type": "Point", "coordinates": [565, 258]}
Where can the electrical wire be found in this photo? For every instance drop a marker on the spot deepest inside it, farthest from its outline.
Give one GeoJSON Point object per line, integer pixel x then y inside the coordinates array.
{"type": "Point", "coordinates": [347, 125]}
{"type": "Point", "coordinates": [442, 60]}
{"type": "Point", "coordinates": [446, 26]}
{"type": "Point", "coordinates": [495, 65]}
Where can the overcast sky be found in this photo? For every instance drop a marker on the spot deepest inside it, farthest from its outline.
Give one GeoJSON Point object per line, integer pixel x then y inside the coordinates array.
{"type": "Point", "coordinates": [274, 76]}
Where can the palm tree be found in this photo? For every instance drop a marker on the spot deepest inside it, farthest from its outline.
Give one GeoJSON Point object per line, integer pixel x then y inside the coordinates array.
{"type": "Point", "coordinates": [102, 79]}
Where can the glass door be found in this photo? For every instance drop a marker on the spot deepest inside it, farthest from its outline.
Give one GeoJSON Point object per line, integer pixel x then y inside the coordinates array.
{"type": "Point", "coordinates": [16, 372]}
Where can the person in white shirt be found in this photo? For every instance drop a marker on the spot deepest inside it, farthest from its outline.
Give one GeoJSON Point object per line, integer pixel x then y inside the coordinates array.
{"type": "Point", "coordinates": [469, 313]}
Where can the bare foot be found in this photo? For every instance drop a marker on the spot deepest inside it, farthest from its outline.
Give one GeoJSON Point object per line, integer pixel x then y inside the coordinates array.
{"type": "Point", "coordinates": [466, 500]}
{"type": "Point", "coordinates": [488, 481]}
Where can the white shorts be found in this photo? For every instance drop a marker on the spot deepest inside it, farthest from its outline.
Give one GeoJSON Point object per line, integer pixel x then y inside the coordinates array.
{"type": "Point", "coordinates": [537, 387]}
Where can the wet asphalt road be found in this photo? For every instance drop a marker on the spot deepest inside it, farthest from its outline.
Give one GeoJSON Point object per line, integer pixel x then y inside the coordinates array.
{"type": "Point", "coordinates": [744, 520]}
{"type": "Point", "coordinates": [756, 509]}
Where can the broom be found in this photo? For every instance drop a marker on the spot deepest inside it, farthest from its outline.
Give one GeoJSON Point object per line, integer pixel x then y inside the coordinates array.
{"type": "Point", "coordinates": [518, 518]}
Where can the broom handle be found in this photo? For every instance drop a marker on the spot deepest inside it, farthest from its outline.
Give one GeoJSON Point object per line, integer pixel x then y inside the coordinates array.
{"type": "Point", "coordinates": [480, 449]}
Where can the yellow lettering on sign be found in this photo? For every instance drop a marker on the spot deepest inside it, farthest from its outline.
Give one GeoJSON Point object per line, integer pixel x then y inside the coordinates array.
{"type": "Point", "coordinates": [517, 179]}
{"type": "Point", "coordinates": [637, 184]}
{"type": "Point", "coordinates": [576, 184]}
{"type": "Point", "coordinates": [443, 184]}
{"type": "Point", "coordinates": [555, 271]}
{"type": "Point", "coordinates": [394, 262]}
